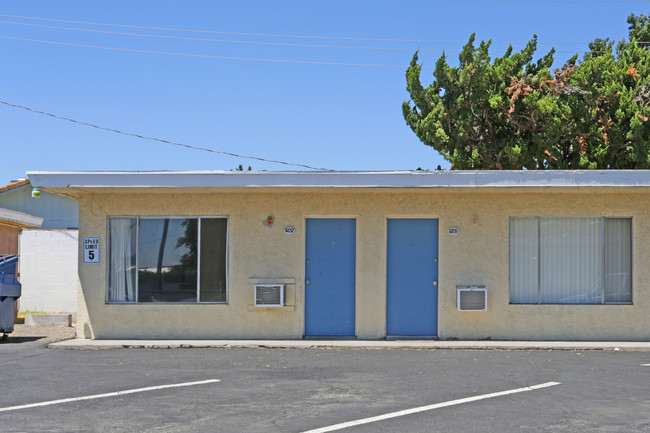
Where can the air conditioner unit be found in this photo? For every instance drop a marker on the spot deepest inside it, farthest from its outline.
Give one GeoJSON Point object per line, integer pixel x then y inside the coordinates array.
{"type": "Point", "coordinates": [269, 295]}
{"type": "Point", "coordinates": [471, 298]}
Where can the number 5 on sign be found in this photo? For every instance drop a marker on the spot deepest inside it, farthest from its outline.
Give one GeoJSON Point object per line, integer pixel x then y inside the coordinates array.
{"type": "Point", "coordinates": [91, 250]}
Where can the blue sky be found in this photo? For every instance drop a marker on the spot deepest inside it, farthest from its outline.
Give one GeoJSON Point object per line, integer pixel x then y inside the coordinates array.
{"type": "Point", "coordinates": [320, 111]}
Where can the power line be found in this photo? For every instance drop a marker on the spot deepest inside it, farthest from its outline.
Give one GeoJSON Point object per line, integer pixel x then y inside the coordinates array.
{"type": "Point", "coordinates": [221, 40]}
{"type": "Point", "coordinates": [205, 56]}
{"type": "Point", "coordinates": [227, 33]}
{"type": "Point", "coordinates": [250, 59]}
{"type": "Point", "coordinates": [144, 137]}
{"type": "Point", "coordinates": [230, 41]}
{"type": "Point", "coordinates": [347, 38]}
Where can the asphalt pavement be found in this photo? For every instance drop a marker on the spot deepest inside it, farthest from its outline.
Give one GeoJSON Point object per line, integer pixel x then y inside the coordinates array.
{"type": "Point", "coordinates": [318, 389]}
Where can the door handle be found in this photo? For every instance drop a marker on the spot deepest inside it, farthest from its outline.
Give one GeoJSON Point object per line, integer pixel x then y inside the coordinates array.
{"type": "Point", "coordinates": [307, 282]}
{"type": "Point", "coordinates": [435, 283]}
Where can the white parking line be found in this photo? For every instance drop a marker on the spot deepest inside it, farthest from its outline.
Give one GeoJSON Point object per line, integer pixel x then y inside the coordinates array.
{"type": "Point", "coordinates": [645, 365]}
{"type": "Point", "coordinates": [108, 394]}
{"type": "Point", "coordinates": [430, 407]}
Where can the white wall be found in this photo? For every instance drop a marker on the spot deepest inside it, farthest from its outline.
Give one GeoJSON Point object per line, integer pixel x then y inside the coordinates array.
{"type": "Point", "coordinates": [48, 270]}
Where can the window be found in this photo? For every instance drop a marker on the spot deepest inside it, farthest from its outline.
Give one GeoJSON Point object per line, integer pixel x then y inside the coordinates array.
{"type": "Point", "coordinates": [570, 260]}
{"type": "Point", "coordinates": [167, 259]}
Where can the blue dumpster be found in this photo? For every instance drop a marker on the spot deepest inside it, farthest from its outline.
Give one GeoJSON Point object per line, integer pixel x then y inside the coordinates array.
{"type": "Point", "coordinates": [9, 292]}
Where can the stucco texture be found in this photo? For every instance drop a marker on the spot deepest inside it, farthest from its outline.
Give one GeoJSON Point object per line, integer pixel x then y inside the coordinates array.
{"type": "Point", "coordinates": [479, 255]}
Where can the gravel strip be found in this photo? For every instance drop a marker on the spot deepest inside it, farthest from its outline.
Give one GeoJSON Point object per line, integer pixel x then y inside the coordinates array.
{"type": "Point", "coordinates": [45, 334]}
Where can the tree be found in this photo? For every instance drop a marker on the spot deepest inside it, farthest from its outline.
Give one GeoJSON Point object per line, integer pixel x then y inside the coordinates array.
{"type": "Point", "coordinates": [639, 29]}
{"type": "Point", "coordinates": [612, 115]}
{"type": "Point", "coordinates": [512, 113]}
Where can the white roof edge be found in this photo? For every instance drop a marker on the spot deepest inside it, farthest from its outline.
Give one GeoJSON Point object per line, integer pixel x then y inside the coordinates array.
{"type": "Point", "coordinates": [20, 218]}
{"type": "Point", "coordinates": [350, 179]}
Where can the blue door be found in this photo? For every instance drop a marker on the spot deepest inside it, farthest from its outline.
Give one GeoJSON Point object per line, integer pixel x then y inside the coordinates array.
{"type": "Point", "coordinates": [412, 278]}
{"type": "Point", "coordinates": [330, 277]}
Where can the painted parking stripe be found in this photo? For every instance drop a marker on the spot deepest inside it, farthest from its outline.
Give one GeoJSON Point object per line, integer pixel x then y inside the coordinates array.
{"type": "Point", "coordinates": [108, 394]}
{"type": "Point", "coordinates": [645, 365]}
{"type": "Point", "coordinates": [430, 407]}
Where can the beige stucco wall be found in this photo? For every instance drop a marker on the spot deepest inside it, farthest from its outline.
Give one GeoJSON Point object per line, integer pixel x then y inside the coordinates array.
{"type": "Point", "coordinates": [478, 255]}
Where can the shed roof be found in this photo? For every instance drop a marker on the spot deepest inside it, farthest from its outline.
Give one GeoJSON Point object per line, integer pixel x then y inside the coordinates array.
{"type": "Point", "coordinates": [13, 185]}
{"type": "Point", "coordinates": [340, 179]}
{"type": "Point", "coordinates": [19, 219]}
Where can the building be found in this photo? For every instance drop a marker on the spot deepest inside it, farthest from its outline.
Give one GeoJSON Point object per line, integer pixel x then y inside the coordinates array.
{"type": "Point", "coordinates": [11, 224]}
{"type": "Point", "coordinates": [47, 250]}
{"type": "Point", "coordinates": [58, 212]}
{"type": "Point", "coordinates": [539, 255]}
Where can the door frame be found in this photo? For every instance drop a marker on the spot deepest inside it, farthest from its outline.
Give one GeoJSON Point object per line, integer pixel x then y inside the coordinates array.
{"type": "Point", "coordinates": [385, 252]}
{"type": "Point", "coordinates": [355, 217]}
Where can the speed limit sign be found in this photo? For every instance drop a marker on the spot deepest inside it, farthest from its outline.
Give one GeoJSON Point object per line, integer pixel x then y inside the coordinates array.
{"type": "Point", "coordinates": [91, 250]}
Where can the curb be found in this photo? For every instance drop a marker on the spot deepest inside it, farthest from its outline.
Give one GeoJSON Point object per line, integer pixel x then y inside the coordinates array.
{"type": "Point", "coordinates": [48, 320]}
{"type": "Point", "coordinates": [86, 344]}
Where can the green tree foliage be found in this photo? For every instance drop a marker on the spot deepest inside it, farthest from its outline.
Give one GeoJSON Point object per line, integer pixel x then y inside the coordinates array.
{"type": "Point", "coordinates": [513, 113]}
{"type": "Point", "coordinates": [639, 29]}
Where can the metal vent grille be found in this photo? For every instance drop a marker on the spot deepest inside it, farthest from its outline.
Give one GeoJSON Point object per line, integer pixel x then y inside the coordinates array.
{"type": "Point", "coordinates": [269, 295]}
{"type": "Point", "coordinates": [472, 299]}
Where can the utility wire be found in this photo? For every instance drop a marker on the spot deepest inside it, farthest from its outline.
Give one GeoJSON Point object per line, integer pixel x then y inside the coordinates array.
{"type": "Point", "coordinates": [250, 59]}
{"type": "Point", "coordinates": [225, 33]}
{"type": "Point", "coordinates": [221, 40]}
{"type": "Point", "coordinates": [229, 41]}
{"type": "Point", "coordinates": [295, 36]}
{"type": "Point", "coordinates": [205, 56]}
{"type": "Point", "coordinates": [144, 137]}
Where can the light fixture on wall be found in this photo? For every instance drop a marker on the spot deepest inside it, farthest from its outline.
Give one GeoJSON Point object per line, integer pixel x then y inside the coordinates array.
{"type": "Point", "coordinates": [269, 221]}
{"type": "Point", "coordinates": [36, 193]}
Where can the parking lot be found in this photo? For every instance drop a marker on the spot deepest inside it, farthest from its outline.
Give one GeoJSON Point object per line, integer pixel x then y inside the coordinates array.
{"type": "Point", "coordinates": [302, 390]}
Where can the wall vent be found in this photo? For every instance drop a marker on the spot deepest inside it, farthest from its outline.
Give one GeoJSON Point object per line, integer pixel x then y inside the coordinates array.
{"type": "Point", "coordinates": [471, 298]}
{"type": "Point", "coordinates": [269, 295]}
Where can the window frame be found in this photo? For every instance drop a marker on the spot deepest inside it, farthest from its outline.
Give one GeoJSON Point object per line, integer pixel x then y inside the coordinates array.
{"type": "Point", "coordinates": [602, 258]}
{"type": "Point", "coordinates": [137, 258]}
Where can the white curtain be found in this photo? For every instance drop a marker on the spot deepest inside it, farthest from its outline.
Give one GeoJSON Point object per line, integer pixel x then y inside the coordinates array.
{"type": "Point", "coordinates": [122, 233]}
{"type": "Point", "coordinates": [570, 260]}
{"type": "Point", "coordinates": [571, 266]}
{"type": "Point", "coordinates": [618, 260]}
{"type": "Point", "coordinates": [524, 266]}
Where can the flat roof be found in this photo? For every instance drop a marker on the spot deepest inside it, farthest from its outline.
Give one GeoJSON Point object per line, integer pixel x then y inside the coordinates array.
{"type": "Point", "coordinates": [341, 179]}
